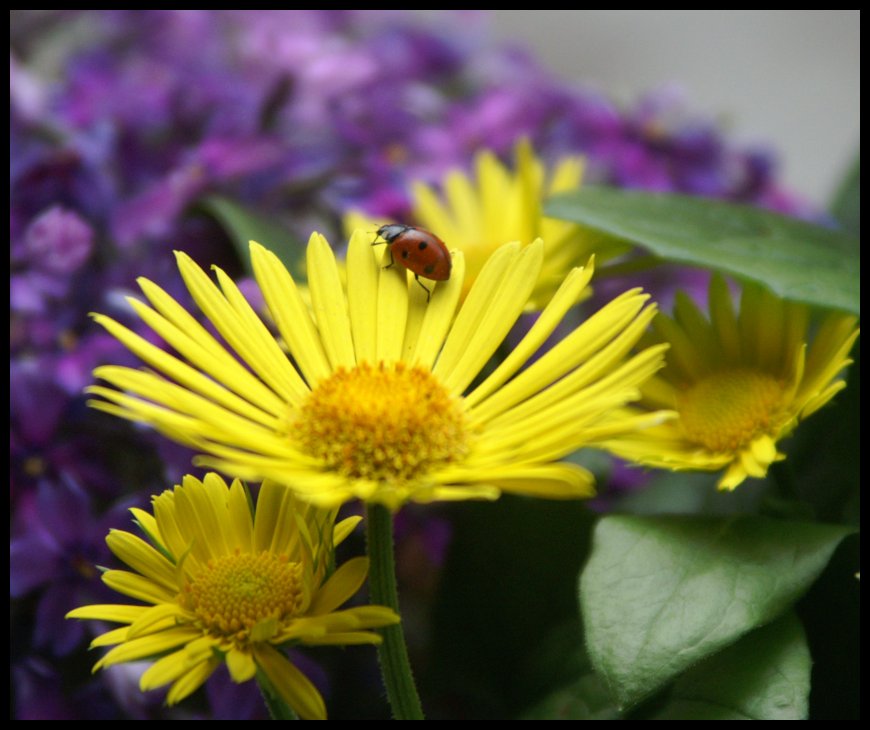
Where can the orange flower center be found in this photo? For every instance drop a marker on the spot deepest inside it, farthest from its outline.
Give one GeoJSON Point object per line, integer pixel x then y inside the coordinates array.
{"type": "Point", "coordinates": [238, 592]}
{"type": "Point", "coordinates": [726, 410]}
{"type": "Point", "coordinates": [382, 422]}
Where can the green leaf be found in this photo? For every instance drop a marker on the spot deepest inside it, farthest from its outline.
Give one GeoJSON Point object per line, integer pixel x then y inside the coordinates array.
{"type": "Point", "coordinates": [662, 593]}
{"type": "Point", "coordinates": [846, 206]}
{"type": "Point", "coordinates": [244, 225]}
{"type": "Point", "coordinates": [763, 676]}
{"type": "Point", "coordinates": [797, 260]}
{"type": "Point", "coordinates": [585, 699]}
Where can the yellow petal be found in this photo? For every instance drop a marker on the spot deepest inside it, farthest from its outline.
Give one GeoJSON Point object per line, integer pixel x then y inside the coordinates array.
{"type": "Point", "coordinates": [237, 326]}
{"type": "Point", "coordinates": [423, 346]}
{"type": "Point", "coordinates": [329, 304]}
{"type": "Point", "coordinates": [566, 297]}
{"type": "Point", "coordinates": [137, 586]}
{"type": "Point", "coordinates": [143, 558]}
{"type": "Point", "coordinates": [149, 646]}
{"type": "Point", "coordinates": [157, 618]}
{"type": "Point", "coordinates": [363, 275]}
{"type": "Point", "coordinates": [502, 311]}
{"type": "Point", "coordinates": [108, 612]}
{"type": "Point", "coordinates": [241, 665]}
{"type": "Point", "coordinates": [344, 529]}
{"type": "Point", "coordinates": [172, 666]}
{"type": "Point", "coordinates": [392, 310]}
{"type": "Point", "coordinates": [191, 681]}
{"type": "Point", "coordinates": [291, 685]}
{"type": "Point", "coordinates": [290, 313]}
{"type": "Point", "coordinates": [342, 584]}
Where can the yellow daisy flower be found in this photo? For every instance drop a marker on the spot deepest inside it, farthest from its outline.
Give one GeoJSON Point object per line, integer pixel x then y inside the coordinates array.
{"type": "Point", "coordinates": [739, 382]}
{"type": "Point", "coordinates": [477, 215]}
{"type": "Point", "coordinates": [385, 395]}
{"type": "Point", "coordinates": [225, 586]}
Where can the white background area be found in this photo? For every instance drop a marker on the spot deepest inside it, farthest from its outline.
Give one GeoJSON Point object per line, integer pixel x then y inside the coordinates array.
{"type": "Point", "coordinates": [786, 78]}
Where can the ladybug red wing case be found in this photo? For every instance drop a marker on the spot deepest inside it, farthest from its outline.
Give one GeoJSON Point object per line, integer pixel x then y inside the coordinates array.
{"type": "Point", "coordinates": [418, 250]}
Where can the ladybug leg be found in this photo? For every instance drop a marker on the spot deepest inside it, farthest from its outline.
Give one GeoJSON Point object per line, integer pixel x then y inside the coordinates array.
{"type": "Point", "coordinates": [380, 243]}
{"type": "Point", "coordinates": [425, 289]}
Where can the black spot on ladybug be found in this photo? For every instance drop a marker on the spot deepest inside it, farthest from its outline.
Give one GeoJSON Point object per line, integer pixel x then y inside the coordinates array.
{"type": "Point", "coordinates": [422, 245]}
{"type": "Point", "coordinates": [405, 254]}
{"type": "Point", "coordinates": [429, 269]}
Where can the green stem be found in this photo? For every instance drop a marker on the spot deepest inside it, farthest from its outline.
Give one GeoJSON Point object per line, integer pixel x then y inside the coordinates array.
{"type": "Point", "coordinates": [392, 653]}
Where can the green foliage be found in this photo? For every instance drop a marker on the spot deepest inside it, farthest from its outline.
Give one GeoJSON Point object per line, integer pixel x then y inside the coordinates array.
{"type": "Point", "coordinates": [797, 260]}
{"type": "Point", "coordinates": [763, 676]}
{"type": "Point", "coordinates": [585, 699]}
{"type": "Point", "coordinates": [661, 594]}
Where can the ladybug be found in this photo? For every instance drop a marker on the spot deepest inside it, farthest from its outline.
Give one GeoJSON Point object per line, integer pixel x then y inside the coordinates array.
{"type": "Point", "coordinates": [418, 250]}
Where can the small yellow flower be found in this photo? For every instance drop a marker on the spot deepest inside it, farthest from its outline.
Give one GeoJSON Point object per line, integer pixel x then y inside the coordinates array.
{"type": "Point", "coordinates": [223, 586]}
{"type": "Point", "coordinates": [739, 382]}
{"type": "Point", "coordinates": [382, 396]}
{"type": "Point", "coordinates": [478, 215]}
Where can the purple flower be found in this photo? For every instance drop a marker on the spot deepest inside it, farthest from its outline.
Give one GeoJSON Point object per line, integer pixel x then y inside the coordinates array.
{"type": "Point", "coordinates": [231, 701]}
{"type": "Point", "coordinates": [59, 241]}
{"type": "Point", "coordinates": [57, 544]}
{"type": "Point", "coordinates": [41, 693]}
{"type": "Point", "coordinates": [154, 211]}
{"type": "Point", "coordinates": [37, 403]}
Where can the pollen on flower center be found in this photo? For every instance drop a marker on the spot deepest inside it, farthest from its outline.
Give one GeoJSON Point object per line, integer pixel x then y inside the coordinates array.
{"type": "Point", "coordinates": [237, 592]}
{"type": "Point", "coordinates": [727, 410]}
{"type": "Point", "coordinates": [382, 422]}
